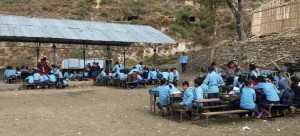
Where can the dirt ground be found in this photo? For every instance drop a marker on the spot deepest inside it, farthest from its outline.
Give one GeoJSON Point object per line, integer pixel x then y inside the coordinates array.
{"type": "Point", "coordinates": [98, 111]}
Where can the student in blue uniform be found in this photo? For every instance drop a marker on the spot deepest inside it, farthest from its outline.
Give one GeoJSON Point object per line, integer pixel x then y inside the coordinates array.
{"type": "Point", "coordinates": [174, 91]}
{"type": "Point", "coordinates": [122, 76]}
{"type": "Point", "coordinates": [65, 83]}
{"type": "Point", "coordinates": [269, 90]}
{"type": "Point", "coordinates": [165, 74]}
{"type": "Point", "coordinates": [188, 96]}
{"type": "Point", "coordinates": [213, 80]}
{"type": "Point", "coordinates": [59, 75]}
{"type": "Point", "coordinates": [42, 81]}
{"type": "Point", "coordinates": [36, 78]}
{"type": "Point", "coordinates": [46, 79]}
{"type": "Point", "coordinates": [183, 61]}
{"type": "Point", "coordinates": [118, 67]}
{"type": "Point", "coordinates": [176, 75]}
{"type": "Point", "coordinates": [86, 74]}
{"type": "Point", "coordinates": [80, 76]}
{"type": "Point", "coordinates": [66, 74]}
{"type": "Point", "coordinates": [279, 77]}
{"type": "Point", "coordinates": [248, 98]}
{"type": "Point", "coordinates": [163, 92]}
{"type": "Point", "coordinates": [6, 72]}
{"type": "Point", "coordinates": [134, 69]}
{"type": "Point", "coordinates": [214, 65]}
{"type": "Point", "coordinates": [253, 72]}
{"type": "Point", "coordinates": [52, 78]}
{"type": "Point", "coordinates": [171, 76]}
{"type": "Point", "coordinates": [139, 67]}
{"type": "Point", "coordinates": [153, 75]}
{"type": "Point", "coordinates": [29, 79]}
{"type": "Point", "coordinates": [198, 92]}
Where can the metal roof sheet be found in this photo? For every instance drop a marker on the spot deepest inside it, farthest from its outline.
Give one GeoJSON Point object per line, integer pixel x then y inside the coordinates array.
{"type": "Point", "coordinates": [45, 30]}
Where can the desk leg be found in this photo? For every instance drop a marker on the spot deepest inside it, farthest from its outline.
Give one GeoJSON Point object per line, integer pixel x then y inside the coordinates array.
{"type": "Point", "coordinates": [154, 104]}
{"type": "Point", "coordinates": [151, 103]}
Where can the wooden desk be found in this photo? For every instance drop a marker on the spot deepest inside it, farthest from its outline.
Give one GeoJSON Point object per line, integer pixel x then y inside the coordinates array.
{"type": "Point", "coordinates": [206, 101]}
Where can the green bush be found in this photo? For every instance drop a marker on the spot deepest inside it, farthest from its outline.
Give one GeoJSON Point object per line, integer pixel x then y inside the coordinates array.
{"type": "Point", "coordinates": [105, 13]}
{"type": "Point", "coordinates": [10, 1]}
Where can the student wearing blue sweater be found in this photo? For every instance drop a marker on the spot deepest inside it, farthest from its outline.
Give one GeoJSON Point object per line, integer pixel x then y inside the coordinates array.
{"type": "Point", "coordinates": [213, 80]}
{"type": "Point", "coordinates": [188, 96]}
{"type": "Point", "coordinates": [248, 97]}
{"type": "Point", "coordinates": [118, 67]}
{"type": "Point", "coordinates": [253, 72]}
{"type": "Point", "coordinates": [171, 76]}
{"type": "Point", "coordinates": [270, 91]}
{"type": "Point", "coordinates": [163, 91]}
{"type": "Point", "coordinates": [176, 75]}
{"type": "Point", "coordinates": [165, 74]}
{"type": "Point", "coordinates": [198, 91]}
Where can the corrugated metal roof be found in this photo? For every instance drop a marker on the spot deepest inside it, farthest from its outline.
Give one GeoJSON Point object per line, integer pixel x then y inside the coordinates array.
{"type": "Point", "coordinates": [44, 30]}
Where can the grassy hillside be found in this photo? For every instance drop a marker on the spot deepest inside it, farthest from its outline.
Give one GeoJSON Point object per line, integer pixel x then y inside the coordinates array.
{"type": "Point", "coordinates": [185, 23]}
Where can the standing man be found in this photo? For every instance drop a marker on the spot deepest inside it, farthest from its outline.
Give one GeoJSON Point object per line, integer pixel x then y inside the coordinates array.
{"type": "Point", "coordinates": [183, 61]}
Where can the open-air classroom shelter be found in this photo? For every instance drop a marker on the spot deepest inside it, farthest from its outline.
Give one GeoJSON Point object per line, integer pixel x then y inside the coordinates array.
{"type": "Point", "coordinates": [63, 31]}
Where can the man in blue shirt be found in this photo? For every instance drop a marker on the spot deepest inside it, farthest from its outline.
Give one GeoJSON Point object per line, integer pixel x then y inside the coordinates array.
{"type": "Point", "coordinates": [183, 61]}
{"type": "Point", "coordinates": [163, 92]}
{"type": "Point", "coordinates": [176, 75]}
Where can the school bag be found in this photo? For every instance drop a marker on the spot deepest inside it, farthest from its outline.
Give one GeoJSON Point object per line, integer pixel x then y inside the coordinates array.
{"type": "Point", "coordinates": [288, 97]}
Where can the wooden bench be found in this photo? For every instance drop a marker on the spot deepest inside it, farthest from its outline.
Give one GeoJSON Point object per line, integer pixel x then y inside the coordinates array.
{"type": "Point", "coordinates": [85, 79]}
{"type": "Point", "coordinates": [181, 112]}
{"type": "Point", "coordinates": [209, 114]}
{"type": "Point", "coordinates": [279, 108]}
{"type": "Point", "coordinates": [27, 86]}
{"type": "Point", "coordinates": [11, 80]}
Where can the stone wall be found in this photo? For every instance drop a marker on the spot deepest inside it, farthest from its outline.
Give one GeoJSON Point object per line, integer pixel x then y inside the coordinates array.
{"type": "Point", "coordinates": [259, 51]}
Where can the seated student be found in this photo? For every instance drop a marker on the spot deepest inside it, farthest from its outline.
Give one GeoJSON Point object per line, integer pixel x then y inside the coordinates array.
{"type": "Point", "coordinates": [102, 73]}
{"type": "Point", "coordinates": [279, 77]}
{"type": "Point", "coordinates": [66, 74]}
{"type": "Point", "coordinates": [176, 75]}
{"type": "Point", "coordinates": [145, 73]}
{"type": "Point", "coordinates": [122, 76]}
{"type": "Point", "coordinates": [59, 75]}
{"type": "Point", "coordinates": [86, 74]}
{"type": "Point", "coordinates": [269, 90]}
{"type": "Point", "coordinates": [159, 74]}
{"type": "Point", "coordinates": [71, 77]}
{"type": "Point", "coordinates": [296, 89]}
{"type": "Point", "coordinates": [80, 76]}
{"type": "Point", "coordinates": [30, 79]}
{"type": "Point", "coordinates": [204, 87]}
{"type": "Point", "coordinates": [46, 79]}
{"type": "Point", "coordinates": [241, 81]}
{"type": "Point", "coordinates": [153, 75]}
{"type": "Point", "coordinates": [118, 67]}
{"type": "Point", "coordinates": [6, 72]}
{"type": "Point", "coordinates": [42, 81]}
{"type": "Point", "coordinates": [188, 96]}
{"type": "Point", "coordinates": [52, 78]}
{"type": "Point", "coordinates": [65, 83]}
{"type": "Point", "coordinates": [253, 72]}
{"type": "Point", "coordinates": [213, 80]}
{"type": "Point", "coordinates": [134, 69]}
{"type": "Point", "coordinates": [139, 67]}
{"type": "Point", "coordinates": [198, 92]}
{"type": "Point", "coordinates": [36, 78]}
{"type": "Point", "coordinates": [165, 74]}
{"type": "Point", "coordinates": [248, 98]}
{"type": "Point", "coordinates": [171, 76]}
{"type": "Point", "coordinates": [163, 92]}
{"type": "Point", "coordinates": [174, 91]}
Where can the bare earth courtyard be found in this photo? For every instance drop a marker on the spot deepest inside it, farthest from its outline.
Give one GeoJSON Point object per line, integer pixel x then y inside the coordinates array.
{"type": "Point", "coordinates": [98, 111]}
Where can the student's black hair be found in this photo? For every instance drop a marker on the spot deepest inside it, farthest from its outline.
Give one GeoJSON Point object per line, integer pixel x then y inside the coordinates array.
{"type": "Point", "coordinates": [271, 78]}
{"type": "Point", "coordinates": [242, 79]}
{"type": "Point", "coordinates": [252, 67]}
{"type": "Point", "coordinates": [117, 62]}
{"type": "Point", "coordinates": [141, 63]}
{"type": "Point", "coordinates": [229, 63]}
{"type": "Point", "coordinates": [253, 78]}
{"type": "Point", "coordinates": [213, 63]}
{"type": "Point", "coordinates": [247, 83]}
{"type": "Point", "coordinates": [185, 83]}
{"type": "Point", "coordinates": [172, 70]}
{"type": "Point", "coordinates": [163, 81]}
{"type": "Point", "coordinates": [211, 69]}
{"type": "Point", "coordinates": [198, 81]}
{"type": "Point", "coordinates": [175, 84]}
{"type": "Point", "coordinates": [280, 71]}
{"type": "Point", "coordinates": [261, 79]}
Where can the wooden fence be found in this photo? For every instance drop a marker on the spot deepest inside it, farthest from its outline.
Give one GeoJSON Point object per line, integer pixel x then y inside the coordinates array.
{"type": "Point", "coordinates": [276, 16]}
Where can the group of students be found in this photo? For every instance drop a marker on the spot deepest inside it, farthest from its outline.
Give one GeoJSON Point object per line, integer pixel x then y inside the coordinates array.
{"type": "Point", "coordinates": [76, 76]}
{"type": "Point", "coordinates": [251, 92]}
{"type": "Point", "coordinates": [42, 80]}
{"type": "Point", "coordinates": [140, 74]}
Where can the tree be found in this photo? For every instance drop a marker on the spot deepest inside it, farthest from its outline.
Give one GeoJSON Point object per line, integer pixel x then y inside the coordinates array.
{"type": "Point", "coordinates": [236, 9]}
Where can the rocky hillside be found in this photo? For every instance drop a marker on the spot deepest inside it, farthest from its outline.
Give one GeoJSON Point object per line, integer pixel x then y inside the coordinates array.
{"type": "Point", "coordinates": [187, 22]}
